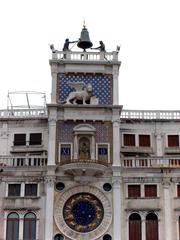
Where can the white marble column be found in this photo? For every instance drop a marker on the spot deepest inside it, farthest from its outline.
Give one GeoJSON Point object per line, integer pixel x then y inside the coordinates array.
{"type": "Point", "coordinates": [143, 227]}
{"type": "Point", "coordinates": [92, 148]}
{"type": "Point", "coordinates": [52, 138]}
{"type": "Point", "coordinates": [117, 215]}
{"type": "Point", "coordinates": [21, 223]}
{"type": "Point", "coordinates": [116, 143]}
{"type": "Point", "coordinates": [49, 181]}
{"type": "Point", "coordinates": [115, 85]}
{"type": "Point", "coordinates": [75, 156]}
{"type": "Point", "coordinates": [167, 211]}
{"type": "Point", "coordinates": [54, 83]}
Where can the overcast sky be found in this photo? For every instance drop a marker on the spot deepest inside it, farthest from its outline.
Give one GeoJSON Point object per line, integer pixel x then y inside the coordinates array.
{"type": "Point", "coordinates": [147, 30]}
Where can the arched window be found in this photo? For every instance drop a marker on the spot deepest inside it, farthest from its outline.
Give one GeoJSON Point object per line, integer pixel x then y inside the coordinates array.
{"type": "Point", "coordinates": [134, 227]}
{"type": "Point", "coordinates": [12, 232]}
{"type": "Point", "coordinates": [151, 227]}
{"type": "Point", "coordinates": [29, 226]}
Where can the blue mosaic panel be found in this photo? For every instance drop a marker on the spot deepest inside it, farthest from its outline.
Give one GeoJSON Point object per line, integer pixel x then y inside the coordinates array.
{"type": "Point", "coordinates": [65, 131]}
{"type": "Point", "coordinates": [103, 131]}
{"type": "Point", "coordinates": [101, 84]}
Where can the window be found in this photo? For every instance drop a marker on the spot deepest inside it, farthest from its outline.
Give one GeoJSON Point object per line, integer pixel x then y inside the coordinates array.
{"type": "Point", "coordinates": [178, 190]}
{"type": "Point", "coordinates": [19, 139]}
{"type": "Point", "coordinates": [35, 139]}
{"type": "Point", "coordinates": [129, 140]}
{"type": "Point", "coordinates": [29, 226]}
{"type": "Point", "coordinates": [30, 190]}
{"type": "Point", "coordinates": [144, 140]}
{"type": "Point", "coordinates": [151, 227]}
{"type": "Point", "coordinates": [102, 152]}
{"type": "Point", "coordinates": [14, 190]}
{"type": "Point", "coordinates": [173, 140]}
{"type": "Point", "coordinates": [12, 231]}
{"type": "Point", "coordinates": [179, 228]}
{"type": "Point", "coordinates": [150, 190]}
{"type": "Point", "coordinates": [134, 191]}
{"type": "Point", "coordinates": [134, 227]}
{"type": "Point", "coordinates": [65, 152]}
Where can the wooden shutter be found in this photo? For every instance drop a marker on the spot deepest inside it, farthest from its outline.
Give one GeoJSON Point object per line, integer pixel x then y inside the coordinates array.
{"type": "Point", "coordinates": [135, 227]}
{"type": "Point", "coordinates": [151, 227]}
{"type": "Point", "coordinates": [178, 190]}
{"type": "Point", "coordinates": [134, 191]}
{"type": "Point", "coordinates": [150, 190]}
{"type": "Point", "coordinates": [129, 140]}
{"type": "Point", "coordinates": [144, 140]}
{"type": "Point", "coordinates": [35, 139]}
{"type": "Point", "coordinates": [19, 139]}
{"type": "Point", "coordinates": [173, 140]}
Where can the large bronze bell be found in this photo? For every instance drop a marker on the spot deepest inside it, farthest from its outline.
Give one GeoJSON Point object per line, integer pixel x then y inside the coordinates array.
{"type": "Point", "coordinates": [84, 41]}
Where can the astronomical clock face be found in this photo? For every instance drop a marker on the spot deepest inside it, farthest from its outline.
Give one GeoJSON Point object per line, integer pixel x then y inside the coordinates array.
{"type": "Point", "coordinates": [83, 212]}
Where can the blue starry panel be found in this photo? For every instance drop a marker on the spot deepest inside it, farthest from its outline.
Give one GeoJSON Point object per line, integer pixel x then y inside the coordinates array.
{"type": "Point", "coordinates": [101, 84]}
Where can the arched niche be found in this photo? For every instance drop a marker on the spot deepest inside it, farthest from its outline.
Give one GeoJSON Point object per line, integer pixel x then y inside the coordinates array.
{"type": "Point", "coordinates": [84, 142]}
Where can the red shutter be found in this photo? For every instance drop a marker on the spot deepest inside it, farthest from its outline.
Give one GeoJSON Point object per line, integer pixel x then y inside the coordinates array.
{"type": "Point", "coordinates": [178, 190]}
{"type": "Point", "coordinates": [150, 190]}
{"type": "Point", "coordinates": [129, 140]}
{"type": "Point", "coordinates": [173, 140]}
{"type": "Point", "coordinates": [144, 140]}
{"type": "Point", "coordinates": [151, 227]}
{"type": "Point", "coordinates": [134, 191]}
{"type": "Point", "coordinates": [135, 227]}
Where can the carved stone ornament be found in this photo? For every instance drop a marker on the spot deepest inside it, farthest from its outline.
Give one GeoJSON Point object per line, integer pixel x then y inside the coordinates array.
{"type": "Point", "coordinates": [83, 213]}
{"type": "Point", "coordinates": [82, 94]}
{"type": "Point", "coordinates": [166, 182]}
{"type": "Point", "coordinates": [50, 180]}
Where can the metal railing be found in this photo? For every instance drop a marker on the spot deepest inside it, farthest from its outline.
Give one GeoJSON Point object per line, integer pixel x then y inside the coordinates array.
{"type": "Point", "coordinates": [151, 162]}
{"type": "Point", "coordinates": [22, 161]}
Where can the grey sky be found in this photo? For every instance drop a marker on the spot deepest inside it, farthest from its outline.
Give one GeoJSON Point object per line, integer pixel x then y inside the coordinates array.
{"type": "Point", "coordinates": [148, 32]}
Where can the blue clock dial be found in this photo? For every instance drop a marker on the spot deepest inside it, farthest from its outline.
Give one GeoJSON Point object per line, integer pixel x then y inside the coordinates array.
{"type": "Point", "coordinates": [83, 212]}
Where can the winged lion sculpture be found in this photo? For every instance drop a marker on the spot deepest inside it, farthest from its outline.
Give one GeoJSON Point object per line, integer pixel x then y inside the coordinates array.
{"type": "Point", "coordinates": [83, 92]}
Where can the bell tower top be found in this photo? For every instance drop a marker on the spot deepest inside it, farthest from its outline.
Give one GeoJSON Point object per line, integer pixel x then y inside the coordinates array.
{"type": "Point", "coordinates": [84, 41]}
{"type": "Point", "coordinates": [95, 71]}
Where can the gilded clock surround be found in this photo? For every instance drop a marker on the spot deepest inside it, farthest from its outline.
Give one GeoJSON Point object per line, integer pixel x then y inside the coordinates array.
{"type": "Point", "coordinates": [88, 199]}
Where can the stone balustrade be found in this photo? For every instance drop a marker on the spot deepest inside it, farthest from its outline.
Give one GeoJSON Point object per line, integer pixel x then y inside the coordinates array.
{"type": "Point", "coordinates": [24, 113]}
{"type": "Point", "coordinates": [22, 161]}
{"type": "Point", "coordinates": [151, 162]}
{"type": "Point", "coordinates": [125, 114]}
{"type": "Point", "coordinates": [150, 115]}
{"type": "Point", "coordinates": [85, 56]}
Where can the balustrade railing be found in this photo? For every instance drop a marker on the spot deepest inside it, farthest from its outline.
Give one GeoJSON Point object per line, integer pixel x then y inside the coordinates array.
{"type": "Point", "coordinates": [22, 161]}
{"type": "Point", "coordinates": [64, 162]}
{"type": "Point", "coordinates": [86, 56]}
{"type": "Point", "coordinates": [150, 162]}
{"type": "Point", "coordinates": [150, 114]}
{"type": "Point", "coordinates": [23, 113]}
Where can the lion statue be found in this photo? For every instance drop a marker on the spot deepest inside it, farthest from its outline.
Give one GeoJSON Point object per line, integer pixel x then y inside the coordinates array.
{"type": "Point", "coordinates": [83, 93]}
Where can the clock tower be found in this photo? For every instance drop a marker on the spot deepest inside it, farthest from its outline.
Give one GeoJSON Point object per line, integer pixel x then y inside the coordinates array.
{"type": "Point", "coordinates": [83, 183]}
